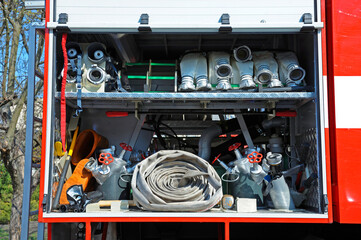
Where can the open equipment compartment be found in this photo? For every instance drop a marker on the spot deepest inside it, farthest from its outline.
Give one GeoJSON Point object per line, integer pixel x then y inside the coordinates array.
{"type": "Point", "coordinates": [151, 114]}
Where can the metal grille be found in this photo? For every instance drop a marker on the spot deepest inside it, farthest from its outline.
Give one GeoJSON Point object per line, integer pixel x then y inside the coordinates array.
{"type": "Point", "coordinates": [308, 154]}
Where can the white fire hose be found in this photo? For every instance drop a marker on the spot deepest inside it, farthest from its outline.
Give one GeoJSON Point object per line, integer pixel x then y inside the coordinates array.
{"type": "Point", "coordinates": [174, 180]}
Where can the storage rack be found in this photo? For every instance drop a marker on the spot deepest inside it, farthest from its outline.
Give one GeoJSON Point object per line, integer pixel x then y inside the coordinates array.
{"type": "Point", "coordinates": [142, 103]}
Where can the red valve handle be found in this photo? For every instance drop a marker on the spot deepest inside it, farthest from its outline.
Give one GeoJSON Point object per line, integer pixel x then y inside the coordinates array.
{"type": "Point", "coordinates": [216, 158]}
{"type": "Point", "coordinates": [106, 158]}
{"type": "Point", "coordinates": [126, 147]}
{"type": "Point", "coordinates": [255, 157]}
{"type": "Point", "coordinates": [234, 146]}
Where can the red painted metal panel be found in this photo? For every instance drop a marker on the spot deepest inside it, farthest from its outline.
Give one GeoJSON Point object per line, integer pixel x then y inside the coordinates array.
{"type": "Point", "coordinates": [187, 219]}
{"type": "Point", "coordinates": [348, 175]}
{"type": "Point", "coordinates": [344, 56]}
{"type": "Point", "coordinates": [347, 37]}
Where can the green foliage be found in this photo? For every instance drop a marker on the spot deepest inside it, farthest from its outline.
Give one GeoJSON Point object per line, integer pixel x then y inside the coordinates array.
{"type": "Point", "coordinates": [6, 192]}
{"type": "Point", "coordinates": [34, 203]}
{"type": "Point", "coordinates": [4, 234]}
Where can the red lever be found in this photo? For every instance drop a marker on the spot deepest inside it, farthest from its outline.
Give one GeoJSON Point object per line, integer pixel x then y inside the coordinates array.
{"type": "Point", "coordinates": [116, 114]}
{"type": "Point", "coordinates": [255, 157]}
{"type": "Point", "coordinates": [234, 146]}
{"type": "Point", "coordinates": [216, 158]}
{"type": "Point", "coordinates": [106, 158]}
{"type": "Point", "coordinates": [126, 147]}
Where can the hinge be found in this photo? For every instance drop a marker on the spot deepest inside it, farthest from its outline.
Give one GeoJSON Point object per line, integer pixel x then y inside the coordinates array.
{"type": "Point", "coordinates": [62, 29]}
{"type": "Point", "coordinates": [44, 202]}
{"type": "Point", "coordinates": [325, 202]}
{"type": "Point", "coordinates": [307, 29]}
{"type": "Point", "coordinates": [225, 29]}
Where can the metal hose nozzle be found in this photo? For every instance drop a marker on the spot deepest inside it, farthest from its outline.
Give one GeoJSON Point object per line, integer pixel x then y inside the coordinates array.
{"type": "Point", "coordinates": [96, 75]}
{"type": "Point", "coordinates": [242, 54]}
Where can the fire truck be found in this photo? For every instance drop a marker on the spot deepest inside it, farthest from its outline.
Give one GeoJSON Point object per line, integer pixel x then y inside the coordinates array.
{"type": "Point", "coordinates": [198, 119]}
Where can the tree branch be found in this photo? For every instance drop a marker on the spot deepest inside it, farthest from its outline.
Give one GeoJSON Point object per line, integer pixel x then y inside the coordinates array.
{"type": "Point", "coordinates": [25, 42]}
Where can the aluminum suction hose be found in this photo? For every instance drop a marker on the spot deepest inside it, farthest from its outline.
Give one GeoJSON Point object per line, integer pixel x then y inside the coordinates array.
{"type": "Point", "coordinates": [193, 68]}
{"type": "Point", "coordinates": [291, 73]}
{"type": "Point", "coordinates": [266, 69]}
{"type": "Point", "coordinates": [220, 70]}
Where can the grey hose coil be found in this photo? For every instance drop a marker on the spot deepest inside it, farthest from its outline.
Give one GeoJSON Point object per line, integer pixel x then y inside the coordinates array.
{"type": "Point", "coordinates": [174, 180]}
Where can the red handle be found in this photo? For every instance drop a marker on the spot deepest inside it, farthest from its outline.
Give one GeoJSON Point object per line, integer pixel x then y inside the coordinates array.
{"type": "Point", "coordinates": [216, 158]}
{"type": "Point", "coordinates": [255, 157]}
{"type": "Point", "coordinates": [126, 147]}
{"type": "Point", "coordinates": [106, 158]}
{"type": "Point", "coordinates": [234, 146]}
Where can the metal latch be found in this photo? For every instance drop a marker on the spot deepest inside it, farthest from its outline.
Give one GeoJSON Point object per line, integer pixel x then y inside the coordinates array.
{"type": "Point", "coordinates": [144, 20]}
{"type": "Point", "coordinates": [307, 18]}
{"type": "Point", "coordinates": [44, 202]}
{"type": "Point", "coordinates": [225, 20]}
{"type": "Point", "coordinates": [63, 18]}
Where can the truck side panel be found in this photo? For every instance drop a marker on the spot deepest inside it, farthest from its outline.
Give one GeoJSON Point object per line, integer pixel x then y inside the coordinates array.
{"type": "Point", "coordinates": [344, 70]}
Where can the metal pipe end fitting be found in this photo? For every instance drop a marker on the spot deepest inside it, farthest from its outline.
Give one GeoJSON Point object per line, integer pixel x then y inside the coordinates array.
{"type": "Point", "coordinates": [187, 84]}
{"type": "Point", "coordinates": [274, 159]}
{"type": "Point", "coordinates": [223, 70]}
{"type": "Point", "coordinates": [296, 73]}
{"type": "Point", "coordinates": [202, 84]}
{"type": "Point", "coordinates": [96, 52]}
{"type": "Point", "coordinates": [247, 82]}
{"type": "Point", "coordinates": [275, 83]}
{"type": "Point", "coordinates": [73, 50]}
{"type": "Point", "coordinates": [263, 76]}
{"type": "Point", "coordinates": [71, 74]}
{"type": "Point", "coordinates": [242, 54]}
{"type": "Point", "coordinates": [96, 75]}
{"type": "Point", "coordinates": [223, 84]}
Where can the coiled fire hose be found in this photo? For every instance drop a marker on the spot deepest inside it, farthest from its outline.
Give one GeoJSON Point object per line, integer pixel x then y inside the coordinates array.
{"type": "Point", "coordinates": [174, 180]}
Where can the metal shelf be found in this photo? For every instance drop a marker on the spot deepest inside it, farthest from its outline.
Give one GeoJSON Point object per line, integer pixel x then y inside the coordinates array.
{"type": "Point", "coordinates": [189, 100]}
